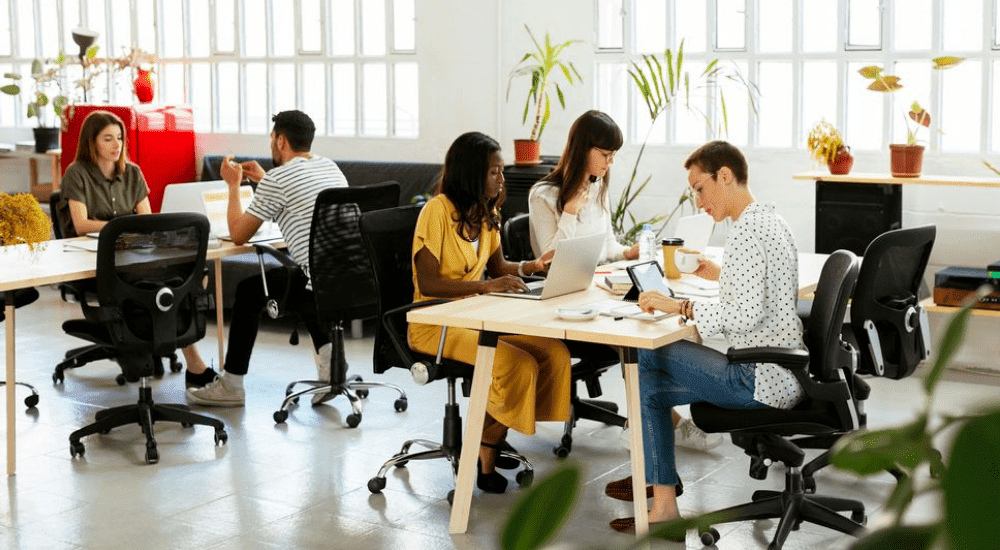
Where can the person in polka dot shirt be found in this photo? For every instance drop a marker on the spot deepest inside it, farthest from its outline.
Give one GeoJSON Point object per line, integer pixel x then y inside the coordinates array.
{"type": "Point", "coordinates": [758, 289]}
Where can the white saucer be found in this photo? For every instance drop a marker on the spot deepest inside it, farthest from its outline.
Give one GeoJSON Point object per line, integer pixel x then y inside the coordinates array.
{"type": "Point", "coordinates": [573, 314]}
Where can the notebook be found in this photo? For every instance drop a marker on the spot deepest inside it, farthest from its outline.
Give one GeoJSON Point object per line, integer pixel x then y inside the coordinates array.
{"type": "Point", "coordinates": [572, 269]}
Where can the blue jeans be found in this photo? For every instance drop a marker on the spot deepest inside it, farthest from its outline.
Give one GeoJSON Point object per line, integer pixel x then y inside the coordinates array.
{"type": "Point", "coordinates": [680, 374]}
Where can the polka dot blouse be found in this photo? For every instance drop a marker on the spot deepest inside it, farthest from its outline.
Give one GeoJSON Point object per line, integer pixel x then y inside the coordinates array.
{"type": "Point", "coordinates": [758, 289]}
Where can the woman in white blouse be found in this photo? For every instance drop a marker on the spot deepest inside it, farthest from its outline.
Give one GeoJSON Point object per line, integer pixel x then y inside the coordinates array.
{"type": "Point", "coordinates": [572, 201]}
{"type": "Point", "coordinates": [758, 289]}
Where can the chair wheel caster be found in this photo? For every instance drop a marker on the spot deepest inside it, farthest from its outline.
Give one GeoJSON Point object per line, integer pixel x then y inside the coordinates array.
{"type": "Point", "coordinates": [32, 400]}
{"type": "Point", "coordinates": [859, 517]}
{"type": "Point", "coordinates": [565, 446]}
{"type": "Point", "coordinates": [152, 455]}
{"type": "Point", "coordinates": [524, 478]}
{"type": "Point", "coordinates": [158, 370]}
{"type": "Point", "coordinates": [120, 380]}
{"type": "Point", "coordinates": [175, 365]}
{"type": "Point", "coordinates": [709, 537]}
{"type": "Point", "coordinates": [76, 449]}
{"type": "Point", "coordinates": [376, 484]}
{"type": "Point", "coordinates": [221, 437]}
{"type": "Point", "coordinates": [353, 420]}
{"type": "Point", "coordinates": [58, 377]}
{"type": "Point", "coordinates": [280, 416]}
{"type": "Point", "coordinates": [451, 497]}
{"type": "Point", "coordinates": [400, 404]}
{"type": "Point", "coordinates": [809, 485]}
{"type": "Point", "coordinates": [363, 394]}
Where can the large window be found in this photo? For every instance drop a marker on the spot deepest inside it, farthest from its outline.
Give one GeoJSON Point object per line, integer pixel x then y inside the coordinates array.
{"type": "Point", "coordinates": [803, 56]}
{"type": "Point", "coordinates": [350, 64]}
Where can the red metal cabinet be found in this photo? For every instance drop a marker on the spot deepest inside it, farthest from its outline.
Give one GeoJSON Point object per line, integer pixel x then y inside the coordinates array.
{"type": "Point", "coordinates": [160, 139]}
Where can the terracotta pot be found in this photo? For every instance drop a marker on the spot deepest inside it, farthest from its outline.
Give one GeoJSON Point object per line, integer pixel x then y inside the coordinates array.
{"type": "Point", "coordinates": [906, 160]}
{"type": "Point", "coordinates": [526, 152]}
{"type": "Point", "coordinates": [843, 162]}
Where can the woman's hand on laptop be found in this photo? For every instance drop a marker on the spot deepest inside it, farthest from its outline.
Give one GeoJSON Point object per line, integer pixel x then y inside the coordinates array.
{"type": "Point", "coordinates": [541, 264]}
{"type": "Point", "coordinates": [505, 283]}
{"type": "Point", "coordinates": [655, 300]}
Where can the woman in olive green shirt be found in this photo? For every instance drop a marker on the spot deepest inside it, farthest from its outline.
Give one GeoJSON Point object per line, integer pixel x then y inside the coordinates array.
{"type": "Point", "coordinates": [102, 184]}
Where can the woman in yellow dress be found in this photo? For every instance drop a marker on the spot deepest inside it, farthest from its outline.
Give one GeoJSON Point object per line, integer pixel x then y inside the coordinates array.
{"type": "Point", "coordinates": [457, 238]}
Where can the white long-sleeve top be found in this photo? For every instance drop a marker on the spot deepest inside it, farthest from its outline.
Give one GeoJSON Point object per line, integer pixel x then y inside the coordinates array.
{"type": "Point", "coordinates": [549, 226]}
{"type": "Point", "coordinates": [758, 289]}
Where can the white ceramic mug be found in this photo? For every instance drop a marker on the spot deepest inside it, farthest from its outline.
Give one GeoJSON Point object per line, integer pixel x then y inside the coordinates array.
{"type": "Point", "coordinates": [687, 259]}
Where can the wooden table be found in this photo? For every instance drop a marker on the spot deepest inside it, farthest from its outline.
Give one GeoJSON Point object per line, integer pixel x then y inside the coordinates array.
{"type": "Point", "coordinates": [59, 263]}
{"type": "Point", "coordinates": [496, 315]}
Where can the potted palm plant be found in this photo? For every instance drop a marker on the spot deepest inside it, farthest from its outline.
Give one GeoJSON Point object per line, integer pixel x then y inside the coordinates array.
{"type": "Point", "coordinates": [541, 64]}
{"type": "Point", "coordinates": [826, 145]}
{"type": "Point", "coordinates": [906, 160]}
{"type": "Point", "coordinates": [46, 92]}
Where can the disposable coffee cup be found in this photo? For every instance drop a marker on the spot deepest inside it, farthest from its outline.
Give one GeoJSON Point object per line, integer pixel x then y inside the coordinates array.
{"type": "Point", "coordinates": [670, 246]}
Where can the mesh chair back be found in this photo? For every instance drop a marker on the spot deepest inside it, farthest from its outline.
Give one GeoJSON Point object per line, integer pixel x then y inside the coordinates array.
{"type": "Point", "coordinates": [888, 288]}
{"type": "Point", "coordinates": [149, 271]}
{"type": "Point", "coordinates": [823, 333]}
{"type": "Point", "coordinates": [338, 262]}
{"type": "Point", "coordinates": [517, 239]}
{"type": "Point", "coordinates": [388, 236]}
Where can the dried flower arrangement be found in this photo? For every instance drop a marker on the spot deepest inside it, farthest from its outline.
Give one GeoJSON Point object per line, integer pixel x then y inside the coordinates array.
{"type": "Point", "coordinates": [22, 220]}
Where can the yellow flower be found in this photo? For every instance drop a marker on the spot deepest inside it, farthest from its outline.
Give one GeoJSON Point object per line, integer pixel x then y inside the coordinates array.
{"type": "Point", "coordinates": [22, 220]}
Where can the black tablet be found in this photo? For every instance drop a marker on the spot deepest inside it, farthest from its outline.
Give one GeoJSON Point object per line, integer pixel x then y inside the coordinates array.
{"type": "Point", "coordinates": [649, 276]}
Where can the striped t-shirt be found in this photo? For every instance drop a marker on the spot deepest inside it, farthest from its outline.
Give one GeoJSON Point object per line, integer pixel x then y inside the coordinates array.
{"type": "Point", "coordinates": [287, 194]}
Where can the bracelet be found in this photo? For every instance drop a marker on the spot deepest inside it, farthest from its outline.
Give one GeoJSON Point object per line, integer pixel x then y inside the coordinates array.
{"type": "Point", "coordinates": [520, 268]}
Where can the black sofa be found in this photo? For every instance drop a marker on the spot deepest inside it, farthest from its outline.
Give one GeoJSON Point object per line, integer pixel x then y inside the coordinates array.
{"type": "Point", "coordinates": [414, 178]}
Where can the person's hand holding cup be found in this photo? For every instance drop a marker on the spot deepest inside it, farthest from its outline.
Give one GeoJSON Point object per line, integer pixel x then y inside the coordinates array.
{"type": "Point", "coordinates": [687, 259]}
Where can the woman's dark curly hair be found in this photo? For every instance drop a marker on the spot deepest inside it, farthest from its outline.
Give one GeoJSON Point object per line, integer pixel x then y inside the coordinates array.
{"type": "Point", "coordinates": [463, 181]}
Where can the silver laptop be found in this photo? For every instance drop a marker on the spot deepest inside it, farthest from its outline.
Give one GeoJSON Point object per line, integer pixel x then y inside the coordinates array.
{"type": "Point", "coordinates": [572, 269]}
{"type": "Point", "coordinates": [210, 198]}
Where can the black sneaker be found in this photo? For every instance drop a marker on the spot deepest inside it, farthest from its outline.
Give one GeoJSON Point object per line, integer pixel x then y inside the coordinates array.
{"type": "Point", "coordinates": [200, 380]}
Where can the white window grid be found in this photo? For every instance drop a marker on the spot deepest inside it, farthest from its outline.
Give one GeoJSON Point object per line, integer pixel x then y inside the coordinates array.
{"type": "Point", "coordinates": [846, 57]}
{"type": "Point", "coordinates": [79, 12]}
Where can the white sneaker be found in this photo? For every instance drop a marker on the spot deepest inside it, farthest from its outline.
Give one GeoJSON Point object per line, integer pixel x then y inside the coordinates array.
{"type": "Point", "coordinates": [686, 434]}
{"type": "Point", "coordinates": [218, 393]}
{"type": "Point", "coordinates": [323, 358]}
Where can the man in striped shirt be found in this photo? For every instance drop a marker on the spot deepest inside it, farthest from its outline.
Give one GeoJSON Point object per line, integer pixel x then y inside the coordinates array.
{"type": "Point", "coordinates": [287, 195]}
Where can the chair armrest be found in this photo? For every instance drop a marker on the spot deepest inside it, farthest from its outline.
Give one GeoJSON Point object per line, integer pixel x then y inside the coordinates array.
{"type": "Point", "coordinates": [396, 330]}
{"type": "Point", "coordinates": [279, 255]}
{"type": "Point", "coordinates": [788, 358]}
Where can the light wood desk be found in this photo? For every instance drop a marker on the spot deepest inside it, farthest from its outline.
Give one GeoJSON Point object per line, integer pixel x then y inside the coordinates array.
{"type": "Point", "coordinates": [494, 316]}
{"type": "Point", "coordinates": [59, 263]}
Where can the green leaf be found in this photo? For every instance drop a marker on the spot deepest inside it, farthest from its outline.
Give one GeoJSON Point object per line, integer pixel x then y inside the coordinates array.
{"type": "Point", "coordinates": [910, 537]}
{"type": "Point", "coordinates": [36, 67]}
{"type": "Point", "coordinates": [92, 51]}
{"type": "Point", "coordinates": [11, 89]}
{"type": "Point", "coordinates": [559, 94]}
{"type": "Point", "coordinates": [12, 76]}
{"type": "Point", "coordinates": [537, 517]}
{"type": "Point", "coordinates": [972, 485]}
{"type": "Point", "coordinates": [32, 109]}
{"type": "Point", "coordinates": [868, 452]}
{"type": "Point", "coordinates": [948, 346]}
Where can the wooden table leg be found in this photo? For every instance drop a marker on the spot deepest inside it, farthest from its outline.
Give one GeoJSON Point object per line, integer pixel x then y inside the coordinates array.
{"type": "Point", "coordinates": [11, 418]}
{"type": "Point", "coordinates": [482, 378]}
{"type": "Point", "coordinates": [220, 324]}
{"type": "Point", "coordinates": [630, 364]}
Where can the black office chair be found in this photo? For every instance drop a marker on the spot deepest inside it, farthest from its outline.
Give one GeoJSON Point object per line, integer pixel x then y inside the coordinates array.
{"type": "Point", "coordinates": [834, 396]}
{"type": "Point", "coordinates": [22, 297]}
{"type": "Point", "coordinates": [889, 324]}
{"type": "Point", "coordinates": [149, 271]}
{"type": "Point", "coordinates": [342, 287]}
{"type": "Point", "coordinates": [388, 236]}
{"type": "Point", "coordinates": [84, 292]}
{"type": "Point", "coordinates": [591, 360]}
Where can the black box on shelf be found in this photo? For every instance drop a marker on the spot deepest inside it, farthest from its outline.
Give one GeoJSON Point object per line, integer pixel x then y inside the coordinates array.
{"type": "Point", "coordinates": [967, 278]}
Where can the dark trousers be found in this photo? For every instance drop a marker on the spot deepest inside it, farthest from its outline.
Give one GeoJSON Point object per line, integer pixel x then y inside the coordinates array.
{"type": "Point", "coordinates": [249, 306]}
